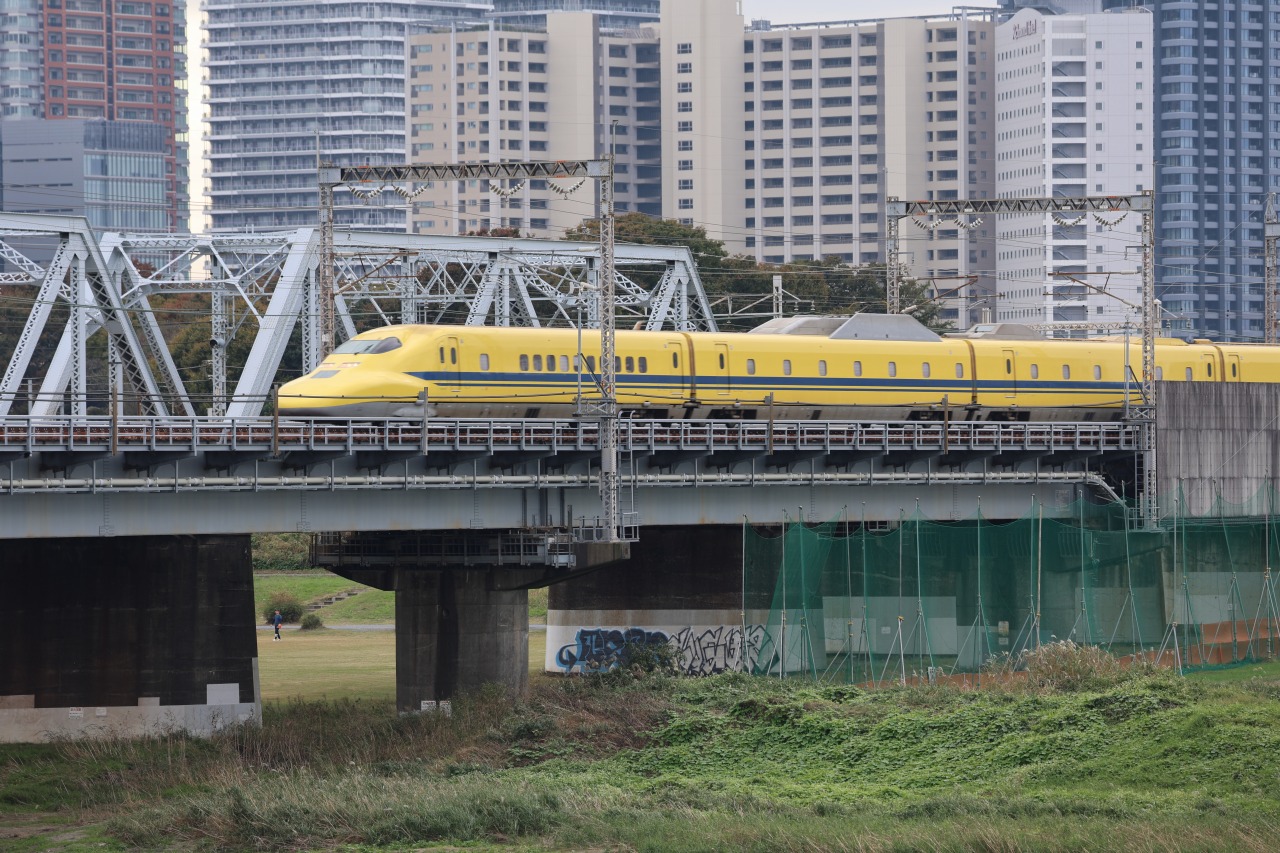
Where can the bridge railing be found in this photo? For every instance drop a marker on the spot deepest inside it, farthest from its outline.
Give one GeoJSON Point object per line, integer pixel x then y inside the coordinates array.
{"type": "Point", "coordinates": [99, 433]}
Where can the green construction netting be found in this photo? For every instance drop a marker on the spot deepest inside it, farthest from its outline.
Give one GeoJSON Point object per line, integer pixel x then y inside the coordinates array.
{"type": "Point", "coordinates": [918, 600]}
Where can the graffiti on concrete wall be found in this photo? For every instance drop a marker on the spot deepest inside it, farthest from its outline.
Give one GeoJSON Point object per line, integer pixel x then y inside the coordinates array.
{"type": "Point", "coordinates": [700, 650]}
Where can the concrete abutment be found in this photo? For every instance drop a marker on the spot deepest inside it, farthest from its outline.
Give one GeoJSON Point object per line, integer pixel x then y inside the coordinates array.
{"type": "Point", "coordinates": [126, 637]}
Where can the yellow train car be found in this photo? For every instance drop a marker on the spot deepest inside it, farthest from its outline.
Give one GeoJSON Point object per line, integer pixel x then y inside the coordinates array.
{"type": "Point", "coordinates": [485, 371]}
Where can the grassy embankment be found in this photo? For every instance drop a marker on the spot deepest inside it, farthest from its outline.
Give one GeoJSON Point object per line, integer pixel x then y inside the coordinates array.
{"type": "Point", "coordinates": [650, 762]}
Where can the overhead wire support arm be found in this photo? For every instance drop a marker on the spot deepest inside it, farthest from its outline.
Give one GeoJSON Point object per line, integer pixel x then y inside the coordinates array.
{"type": "Point", "coordinates": [356, 178]}
{"type": "Point", "coordinates": [1140, 203]}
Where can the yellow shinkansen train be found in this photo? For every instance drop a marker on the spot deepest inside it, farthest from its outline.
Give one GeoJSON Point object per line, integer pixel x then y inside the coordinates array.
{"type": "Point", "coordinates": [865, 367]}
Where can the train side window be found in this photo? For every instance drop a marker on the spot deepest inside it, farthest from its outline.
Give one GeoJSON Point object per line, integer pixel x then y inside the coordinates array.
{"type": "Point", "coordinates": [822, 367]}
{"type": "Point", "coordinates": [484, 361]}
{"type": "Point", "coordinates": [1159, 373]}
{"type": "Point", "coordinates": [591, 364]}
{"type": "Point", "coordinates": [1066, 371]}
{"type": "Point", "coordinates": [1208, 366]}
{"type": "Point", "coordinates": [644, 364]}
{"type": "Point", "coordinates": [453, 355]}
{"type": "Point", "coordinates": [1035, 371]}
{"type": "Point", "coordinates": [1233, 369]}
{"type": "Point", "coordinates": [564, 364]}
{"type": "Point", "coordinates": [751, 367]}
{"type": "Point", "coordinates": [925, 370]}
{"type": "Point", "coordinates": [551, 364]}
{"type": "Point", "coordinates": [1188, 374]}
{"type": "Point", "coordinates": [631, 364]}
{"type": "Point", "coordinates": [442, 355]}
{"type": "Point", "coordinates": [786, 367]}
{"type": "Point", "coordinates": [959, 370]}
{"type": "Point", "coordinates": [675, 359]}
{"type": "Point", "coordinates": [524, 362]}
{"type": "Point", "coordinates": [1097, 371]}
{"type": "Point", "coordinates": [617, 364]}
{"type": "Point", "coordinates": [857, 368]}
{"type": "Point", "coordinates": [1008, 365]}
{"type": "Point", "coordinates": [893, 368]}
{"type": "Point", "coordinates": [537, 362]}
{"type": "Point", "coordinates": [722, 361]}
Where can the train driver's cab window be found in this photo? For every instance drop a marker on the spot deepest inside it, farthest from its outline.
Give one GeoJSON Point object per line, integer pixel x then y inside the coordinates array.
{"type": "Point", "coordinates": [751, 367]}
{"type": "Point", "coordinates": [631, 364]}
{"type": "Point", "coordinates": [893, 368]}
{"type": "Point", "coordinates": [925, 369]}
{"type": "Point", "coordinates": [1188, 374]}
{"type": "Point", "coordinates": [822, 367]}
{"type": "Point", "coordinates": [367, 346]}
{"type": "Point", "coordinates": [786, 367]}
{"type": "Point", "coordinates": [484, 361]}
{"type": "Point", "coordinates": [644, 364]}
{"type": "Point", "coordinates": [524, 362]}
{"type": "Point", "coordinates": [857, 368]}
{"type": "Point", "coordinates": [1035, 371]}
{"type": "Point", "coordinates": [1066, 371]}
{"type": "Point", "coordinates": [1097, 371]}
{"type": "Point", "coordinates": [564, 364]}
{"type": "Point", "coordinates": [959, 370]}
{"type": "Point", "coordinates": [537, 362]}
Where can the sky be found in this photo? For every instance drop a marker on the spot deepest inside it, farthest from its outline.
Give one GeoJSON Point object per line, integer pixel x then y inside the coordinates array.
{"type": "Point", "coordinates": [805, 11]}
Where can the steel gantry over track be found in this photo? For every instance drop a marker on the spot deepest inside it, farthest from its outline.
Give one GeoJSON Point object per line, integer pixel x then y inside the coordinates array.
{"type": "Point", "coordinates": [409, 180]}
{"type": "Point", "coordinates": [1145, 412]}
{"type": "Point", "coordinates": [72, 284]}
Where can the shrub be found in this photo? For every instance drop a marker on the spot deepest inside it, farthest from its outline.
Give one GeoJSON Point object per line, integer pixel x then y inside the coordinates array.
{"type": "Point", "coordinates": [288, 605]}
{"type": "Point", "coordinates": [1063, 665]}
{"type": "Point", "coordinates": [310, 622]}
{"type": "Point", "coordinates": [280, 552]}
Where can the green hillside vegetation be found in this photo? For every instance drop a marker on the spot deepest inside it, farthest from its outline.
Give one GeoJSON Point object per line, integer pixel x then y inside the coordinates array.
{"type": "Point", "coordinates": [645, 761]}
{"type": "Point", "coordinates": [370, 607]}
{"type": "Point", "coordinates": [307, 587]}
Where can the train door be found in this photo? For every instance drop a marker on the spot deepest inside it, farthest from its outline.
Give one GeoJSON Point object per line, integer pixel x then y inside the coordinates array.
{"type": "Point", "coordinates": [720, 373]}
{"type": "Point", "coordinates": [675, 367]}
{"type": "Point", "coordinates": [450, 370]}
{"type": "Point", "coordinates": [1010, 373]}
{"type": "Point", "coordinates": [1234, 370]}
{"type": "Point", "coordinates": [1208, 370]}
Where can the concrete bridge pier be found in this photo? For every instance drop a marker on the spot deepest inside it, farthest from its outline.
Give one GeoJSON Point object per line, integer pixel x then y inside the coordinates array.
{"type": "Point", "coordinates": [126, 636]}
{"type": "Point", "coordinates": [459, 629]}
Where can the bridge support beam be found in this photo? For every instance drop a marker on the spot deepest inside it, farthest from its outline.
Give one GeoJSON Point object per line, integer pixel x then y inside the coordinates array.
{"type": "Point", "coordinates": [126, 636]}
{"type": "Point", "coordinates": [460, 629]}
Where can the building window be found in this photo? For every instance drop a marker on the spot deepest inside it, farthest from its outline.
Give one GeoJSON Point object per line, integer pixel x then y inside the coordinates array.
{"type": "Point", "coordinates": [684, 47]}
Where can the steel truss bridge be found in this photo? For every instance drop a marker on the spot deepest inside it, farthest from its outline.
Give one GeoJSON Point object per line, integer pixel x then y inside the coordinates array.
{"type": "Point", "coordinates": [138, 454]}
{"type": "Point", "coordinates": [268, 286]}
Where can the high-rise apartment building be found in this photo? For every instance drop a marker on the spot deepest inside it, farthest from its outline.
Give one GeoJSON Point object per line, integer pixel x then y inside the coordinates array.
{"type": "Point", "coordinates": [291, 83]}
{"type": "Point", "coordinates": [1216, 69]}
{"type": "Point", "coordinates": [784, 142]}
{"type": "Point", "coordinates": [566, 90]}
{"type": "Point", "coordinates": [111, 60]}
{"type": "Point", "coordinates": [1074, 117]}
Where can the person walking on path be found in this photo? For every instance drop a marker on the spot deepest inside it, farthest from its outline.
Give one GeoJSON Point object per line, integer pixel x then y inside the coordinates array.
{"type": "Point", "coordinates": [276, 621]}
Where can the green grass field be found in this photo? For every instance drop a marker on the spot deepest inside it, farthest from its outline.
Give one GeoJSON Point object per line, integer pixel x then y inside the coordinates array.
{"type": "Point", "coordinates": [640, 760]}
{"type": "Point", "coordinates": [305, 586]}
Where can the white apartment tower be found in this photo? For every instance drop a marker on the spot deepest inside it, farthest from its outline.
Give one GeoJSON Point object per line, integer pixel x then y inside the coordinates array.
{"type": "Point", "coordinates": [787, 146]}
{"type": "Point", "coordinates": [497, 92]}
{"type": "Point", "coordinates": [1075, 116]}
{"type": "Point", "coordinates": [291, 81]}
